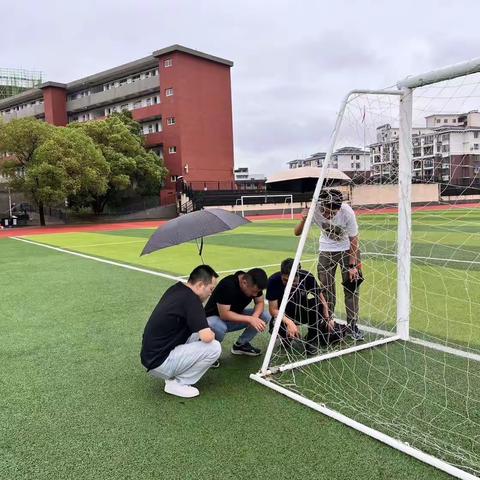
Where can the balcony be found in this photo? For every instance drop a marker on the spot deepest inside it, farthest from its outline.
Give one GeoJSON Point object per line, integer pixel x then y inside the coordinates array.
{"type": "Point", "coordinates": [145, 113]}
{"type": "Point", "coordinates": [30, 111]}
{"type": "Point", "coordinates": [114, 95]}
{"type": "Point", "coordinates": [153, 139]}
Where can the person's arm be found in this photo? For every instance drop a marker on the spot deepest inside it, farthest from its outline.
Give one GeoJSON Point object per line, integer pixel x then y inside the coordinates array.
{"type": "Point", "coordinates": [226, 314]}
{"type": "Point", "coordinates": [206, 335]}
{"type": "Point", "coordinates": [353, 259]}
{"type": "Point", "coordinates": [259, 306]}
{"type": "Point", "coordinates": [299, 227]}
{"type": "Point", "coordinates": [330, 322]}
{"type": "Point", "coordinates": [292, 329]}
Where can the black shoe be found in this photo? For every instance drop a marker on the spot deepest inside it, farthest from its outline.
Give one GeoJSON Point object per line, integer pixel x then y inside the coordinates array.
{"type": "Point", "coordinates": [215, 364]}
{"type": "Point", "coordinates": [355, 333]}
{"type": "Point", "coordinates": [245, 349]}
{"type": "Point", "coordinates": [311, 349]}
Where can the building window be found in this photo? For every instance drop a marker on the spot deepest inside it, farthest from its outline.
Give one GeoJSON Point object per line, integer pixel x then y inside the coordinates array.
{"type": "Point", "coordinates": [169, 92]}
{"type": "Point", "coordinates": [454, 120]}
{"type": "Point", "coordinates": [171, 121]}
{"type": "Point", "coordinates": [172, 149]}
{"type": "Point", "coordinates": [475, 146]}
{"type": "Point", "coordinates": [168, 62]}
{"type": "Point", "coordinates": [475, 134]}
{"type": "Point", "coordinates": [438, 120]}
{"type": "Point", "coordinates": [445, 120]}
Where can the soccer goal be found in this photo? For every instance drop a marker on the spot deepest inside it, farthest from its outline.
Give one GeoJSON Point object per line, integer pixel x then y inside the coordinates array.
{"type": "Point", "coordinates": [413, 153]}
{"type": "Point", "coordinates": [286, 202]}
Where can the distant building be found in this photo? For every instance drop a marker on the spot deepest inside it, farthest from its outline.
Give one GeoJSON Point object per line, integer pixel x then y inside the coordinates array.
{"type": "Point", "coordinates": [353, 161]}
{"type": "Point", "coordinates": [447, 150]}
{"type": "Point", "coordinates": [245, 180]}
{"type": "Point", "coordinates": [314, 160]}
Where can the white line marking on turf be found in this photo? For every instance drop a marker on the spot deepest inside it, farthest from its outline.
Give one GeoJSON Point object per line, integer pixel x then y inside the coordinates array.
{"type": "Point", "coordinates": [109, 243]}
{"type": "Point", "coordinates": [256, 266]}
{"type": "Point", "coordinates": [101, 260]}
{"type": "Point", "coordinates": [447, 260]}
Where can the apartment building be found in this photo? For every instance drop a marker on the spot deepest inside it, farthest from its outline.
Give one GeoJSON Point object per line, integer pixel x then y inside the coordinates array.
{"type": "Point", "coordinates": [353, 161]}
{"type": "Point", "coordinates": [180, 96]}
{"type": "Point", "coordinates": [446, 150]}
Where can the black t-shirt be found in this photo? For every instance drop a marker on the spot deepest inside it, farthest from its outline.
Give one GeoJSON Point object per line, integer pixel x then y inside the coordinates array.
{"type": "Point", "coordinates": [299, 294]}
{"type": "Point", "coordinates": [228, 292]}
{"type": "Point", "coordinates": [178, 314]}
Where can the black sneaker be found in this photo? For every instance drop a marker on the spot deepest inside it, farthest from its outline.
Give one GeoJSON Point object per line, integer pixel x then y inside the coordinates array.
{"type": "Point", "coordinates": [215, 364]}
{"type": "Point", "coordinates": [245, 349]}
{"type": "Point", "coordinates": [355, 333]}
{"type": "Point", "coordinates": [311, 349]}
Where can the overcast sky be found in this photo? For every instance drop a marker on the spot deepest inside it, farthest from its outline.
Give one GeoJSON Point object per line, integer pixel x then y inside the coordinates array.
{"type": "Point", "coordinates": [294, 59]}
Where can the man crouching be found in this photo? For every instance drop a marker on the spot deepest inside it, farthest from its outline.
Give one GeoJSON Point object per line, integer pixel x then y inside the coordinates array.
{"type": "Point", "coordinates": [178, 345]}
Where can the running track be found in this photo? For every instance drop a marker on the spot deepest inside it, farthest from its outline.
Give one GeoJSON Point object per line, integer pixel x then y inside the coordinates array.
{"type": "Point", "coordinates": [105, 227]}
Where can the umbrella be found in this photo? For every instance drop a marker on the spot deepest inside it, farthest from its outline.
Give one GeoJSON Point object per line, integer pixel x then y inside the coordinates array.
{"type": "Point", "coordinates": [192, 226]}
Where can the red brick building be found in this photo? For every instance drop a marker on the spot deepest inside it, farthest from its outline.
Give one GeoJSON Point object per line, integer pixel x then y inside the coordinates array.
{"type": "Point", "coordinates": [180, 96]}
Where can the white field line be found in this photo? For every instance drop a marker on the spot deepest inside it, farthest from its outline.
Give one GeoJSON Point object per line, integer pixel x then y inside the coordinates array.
{"type": "Point", "coordinates": [102, 244]}
{"type": "Point", "coordinates": [438, 259]}
{"type": "Point", "coordinates": [101, 260]}
{"type": "Point", "coordinates": [256, 266]}
{"type": "Point", "coordinates": [134, 241]}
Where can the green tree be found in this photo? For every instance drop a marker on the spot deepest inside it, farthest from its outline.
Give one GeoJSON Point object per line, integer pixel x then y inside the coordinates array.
{"type": "Point", "coordinates": [134, 171]}
{"type": "Point", "coordinates": [56, 163]}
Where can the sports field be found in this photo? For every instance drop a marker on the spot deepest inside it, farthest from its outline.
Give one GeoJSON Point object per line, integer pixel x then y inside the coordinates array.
{"type": "Point", "coordinates": [76, 402]}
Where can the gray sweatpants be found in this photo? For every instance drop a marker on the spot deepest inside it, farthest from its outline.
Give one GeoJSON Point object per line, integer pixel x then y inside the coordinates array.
{"type": "Point", "coordinates": [187, 363]}
{"type": "Point", "coordinates": [327, 267]}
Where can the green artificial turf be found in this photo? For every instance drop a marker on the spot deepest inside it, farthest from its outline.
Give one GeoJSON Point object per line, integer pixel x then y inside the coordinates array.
{"type": "Point", "coordinates": [76, 403]}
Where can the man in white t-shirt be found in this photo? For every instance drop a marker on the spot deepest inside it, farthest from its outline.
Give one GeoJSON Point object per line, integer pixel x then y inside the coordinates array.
{"type": "Point", "coordinates": [338, 246]}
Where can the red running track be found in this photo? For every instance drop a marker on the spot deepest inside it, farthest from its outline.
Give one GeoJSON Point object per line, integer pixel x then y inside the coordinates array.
{"type": "Point", "coordinates": [105, 227]}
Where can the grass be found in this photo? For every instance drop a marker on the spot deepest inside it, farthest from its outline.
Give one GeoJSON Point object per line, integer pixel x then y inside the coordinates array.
{"type": "Point", "coordinates": [76, 403]}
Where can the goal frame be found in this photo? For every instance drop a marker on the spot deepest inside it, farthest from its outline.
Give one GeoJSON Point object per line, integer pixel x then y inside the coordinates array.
{"type": "Point", "coordinates": [404, 91]}
{"type": "Point", "coordinates": [268, 195]}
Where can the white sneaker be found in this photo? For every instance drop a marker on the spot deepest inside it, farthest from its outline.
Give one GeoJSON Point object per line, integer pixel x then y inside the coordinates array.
{"type": "Point", "coordinates": [185, 391]}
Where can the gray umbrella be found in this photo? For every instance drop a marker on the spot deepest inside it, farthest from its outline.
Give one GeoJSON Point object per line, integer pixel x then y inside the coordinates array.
{"type": "Point", "coordinates": [191, 226]}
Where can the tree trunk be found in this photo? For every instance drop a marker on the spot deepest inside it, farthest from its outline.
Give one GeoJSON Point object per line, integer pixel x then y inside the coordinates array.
{"type": "Point", "coordinates": [41, 213]}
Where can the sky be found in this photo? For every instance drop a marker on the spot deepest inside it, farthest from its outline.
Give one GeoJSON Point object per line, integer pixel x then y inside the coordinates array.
{"type": "Point", "coordinates": [293, 60]}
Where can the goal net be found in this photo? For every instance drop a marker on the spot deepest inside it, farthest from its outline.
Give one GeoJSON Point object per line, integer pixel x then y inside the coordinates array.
{"type": "Point", "coordinates": [413, 380]}
{"type": "Point", "coordinates": [274, 204]}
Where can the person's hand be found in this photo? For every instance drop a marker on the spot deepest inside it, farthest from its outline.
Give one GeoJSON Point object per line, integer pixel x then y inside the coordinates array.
{"type": "Point", "coordinates": [304, 213]}
{"type": "Point", "coordinates": [353, 274]}
{"type": "Point", "coordinates": [292, 330]}
{"type": "Point", "coordinates": [331, 325]}
{"type": "Point", "coordinates": [258, 324]}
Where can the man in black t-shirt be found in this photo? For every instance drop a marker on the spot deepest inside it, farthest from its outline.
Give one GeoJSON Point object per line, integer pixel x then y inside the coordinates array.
{"type": "Point", "coordinates": [306, 305]}
{"type": "Point", "coordinates": [178, 345]}
{"type": "Point", "coordinates": [227, 310]}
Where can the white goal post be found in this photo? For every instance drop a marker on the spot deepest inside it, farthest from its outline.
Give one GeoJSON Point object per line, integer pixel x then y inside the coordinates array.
{"type": "Point", "coordinates": [288, 199]}
{"type": "Point", "coordinates": [403, 333]}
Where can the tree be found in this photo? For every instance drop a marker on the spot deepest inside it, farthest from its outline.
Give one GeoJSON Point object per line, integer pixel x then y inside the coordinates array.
{"type": "Point", "coordinates": [133, 170]}
{"type": "Point", "coordinates": [56, 162]}
{"type": "Point", "coordinates": [21, 138]}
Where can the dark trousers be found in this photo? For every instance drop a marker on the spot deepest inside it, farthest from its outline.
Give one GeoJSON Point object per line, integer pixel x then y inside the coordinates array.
{"type": "Point", "coordinates": [311, 315]}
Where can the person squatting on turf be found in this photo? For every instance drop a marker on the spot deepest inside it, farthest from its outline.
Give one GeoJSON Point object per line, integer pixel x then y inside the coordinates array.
{"type": "Point", "coordinates": [178, 345]}
{"type": "Point", "coordinates": [227, 310]}
{"type": "Point", "coordinates": [306, 305]}
{"type": "Point", "coordinates": [338, 246]}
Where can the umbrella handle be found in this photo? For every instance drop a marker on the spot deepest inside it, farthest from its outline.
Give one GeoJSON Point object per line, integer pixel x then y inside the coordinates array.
{"type": "Point", "coordinates": [200, 249]}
